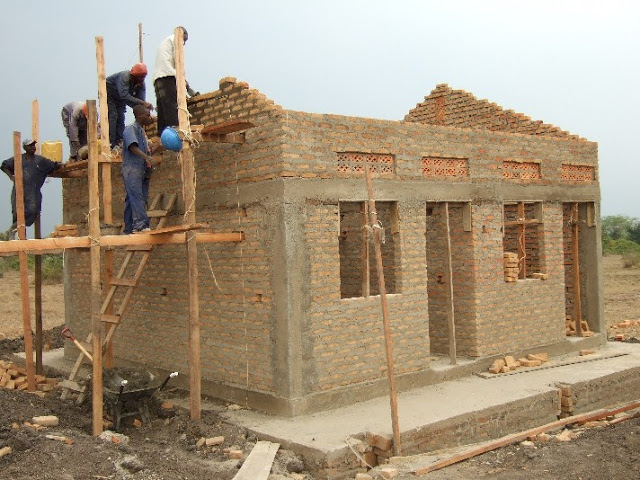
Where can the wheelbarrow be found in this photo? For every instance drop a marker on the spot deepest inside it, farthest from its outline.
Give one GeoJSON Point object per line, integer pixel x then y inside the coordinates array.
{"type": "Point", "coordinates": [127, 392]}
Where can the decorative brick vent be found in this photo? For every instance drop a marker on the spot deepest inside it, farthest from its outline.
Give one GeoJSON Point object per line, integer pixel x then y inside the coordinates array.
{"type": "Point", "coordinates": [354, 162]}
{"type": "Point", "coordinates": [578, 173]}
{"type": "Point", "coordinates": [521, 170]}
{"type": "Point", "coordinates": [445, 167]}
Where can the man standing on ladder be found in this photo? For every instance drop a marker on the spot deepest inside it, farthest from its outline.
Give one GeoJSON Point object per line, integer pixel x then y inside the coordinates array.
{"type": "Point", "coordinates": [164, 82]}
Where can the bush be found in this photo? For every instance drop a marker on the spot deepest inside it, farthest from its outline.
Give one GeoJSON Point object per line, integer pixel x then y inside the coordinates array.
{"type": "Point", "coordinates": [622, 246]}
{"type": "Point", "coordinates": [631, 260]}
{"type": "Point", "coordinates": [51, 266]}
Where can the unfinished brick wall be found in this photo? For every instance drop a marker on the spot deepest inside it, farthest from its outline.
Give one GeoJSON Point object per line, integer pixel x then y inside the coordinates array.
{"type": "Point", "coordinates": [457, 108]}
{"type": "Point", "coordinates": [275, 318]}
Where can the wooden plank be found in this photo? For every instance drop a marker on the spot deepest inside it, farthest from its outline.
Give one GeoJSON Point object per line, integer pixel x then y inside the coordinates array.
{"type": "Point", "coordinates": [575, 251]}
{"type": "Point", "coordinates": [123, 282]}
{"type": "Point", "coordinates": [388, 341]}
{"type": "Point", "coordinates": [37, 233]}
{"type": "Point", "coordinates": [451, 323]}
{"type": "Point", "coordinates": [156, 213]}
{"type": "Point", "coordinates": [24, 271]}
{"type": "Point", "coordinates": [518, 437]}
{"type": "Point", "coordinates": [364, 250]}
{"type": "Point", "coordinates": [257, 465]}
{"type": "Point", "coordinates": [189, 198]}
{"type": "Point", "coordinates": [48, 244]}
{"type": "Point", "coordinates": [522, 241]}
{"type": "Point", "coordinates": [224, 128]}
{"type": "Point", "coordinates": [114, 319]}
{"type": "Point", "coordinates": [96, 291]}
{"type": "Point", "coordinates": [177, 228]}
{"type": "Point", "coordinates": [140, 248]}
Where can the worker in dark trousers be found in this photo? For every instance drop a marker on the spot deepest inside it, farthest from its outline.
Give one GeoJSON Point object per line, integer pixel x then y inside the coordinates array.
{"type": "Point", "coordinates": [125, 88]}
{"type": "Point", "coordinates": [164, 82]}
{"type": "Point", "coordinates": [35, 170]}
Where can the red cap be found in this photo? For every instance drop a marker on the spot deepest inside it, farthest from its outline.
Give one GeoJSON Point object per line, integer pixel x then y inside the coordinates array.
{"type": "Point", "coordinates": [139, 70]}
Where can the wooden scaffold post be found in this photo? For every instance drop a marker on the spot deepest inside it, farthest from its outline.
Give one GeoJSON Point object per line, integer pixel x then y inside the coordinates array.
{"type": "Point", "coordinates": [37, 264]}
{"type": "Point", "coordinates": [24, 272]}
{"type": "Point", "coordinates": [393, 391]}
{"type": "Point", "coordinates": [189, 197]}
{"type": "Point", "coordinates": [94, 251]}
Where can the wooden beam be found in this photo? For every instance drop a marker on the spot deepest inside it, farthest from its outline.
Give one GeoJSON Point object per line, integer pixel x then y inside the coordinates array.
{"type": "Point", "coordinates": [575, 255]}
{"type": "Point", "coordinates": [451, 323]}
{"type": "Point", "coordinates": [518, 437]}
{"type": "Point", "coordinates": [364, 250]}
{"type": "Point", "coordinates": [48, 245]}
{"type": "Point", "coordinates": [24, 271]}
{"type": "Point", "coordinates": [257, 466]}
{"type": "Point", "coordinates": [96, 291]}
{"type": "Point", "coordinates": [189, 198]}
{"type": "Point", "coordinates": [105, 170]}
{"type": "Point", "coordinates": [140, 43]}
{"type": "Point", "coordinates": [522, 241]}
{"type": "Point", "coordinates": [37, 233]}
{"type": "Point", "coordinates": [393, 391]}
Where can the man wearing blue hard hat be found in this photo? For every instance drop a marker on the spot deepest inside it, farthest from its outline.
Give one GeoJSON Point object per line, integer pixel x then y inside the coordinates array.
{"type": "Point", "coordinates": [137, 165]}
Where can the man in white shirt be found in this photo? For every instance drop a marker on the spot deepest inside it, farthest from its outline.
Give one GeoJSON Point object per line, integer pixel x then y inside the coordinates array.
{"type": "Point", "coordinates": [164, 82]}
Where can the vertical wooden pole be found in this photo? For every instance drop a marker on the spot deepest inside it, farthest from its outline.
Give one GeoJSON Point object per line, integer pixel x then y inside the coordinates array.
{"type": "Point", "coordinates": [189, 198]}
{"type": "Point", "coordinates": [105, 170]}
{"type": "Point", "coordinates": [451, 318]}
{"type": "Point", "coordinates": [140, 41]}
{"type": "Point", "coordinates": [37, 233]}
{"type": "Point", "coordinates": [364, 252]}
{"type": "Point", "coordinates": [522, 241]}
{"type": "Point", "coordinates": [24, 272]}
{"type": "Point", "coordinates": [393, 392]}
{"type": "Point", "coordinates": [575, 247]}
{"type": "Point", "coordinates": [94, 252]}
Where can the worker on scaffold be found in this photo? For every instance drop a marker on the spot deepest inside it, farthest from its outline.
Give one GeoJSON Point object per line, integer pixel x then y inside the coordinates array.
{"type": "Point", "coordinates": [125, 88]}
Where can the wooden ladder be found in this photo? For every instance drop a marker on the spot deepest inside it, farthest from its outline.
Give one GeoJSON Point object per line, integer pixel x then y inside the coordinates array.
{"type": "Point", "coordinates": [119, 281]}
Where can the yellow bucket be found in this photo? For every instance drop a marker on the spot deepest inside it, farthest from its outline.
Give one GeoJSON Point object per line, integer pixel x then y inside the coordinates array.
{"type": "Point", "coordinates": [52, 150]}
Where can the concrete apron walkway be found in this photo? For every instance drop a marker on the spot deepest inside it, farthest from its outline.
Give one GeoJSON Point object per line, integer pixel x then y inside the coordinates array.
{"type": "Point", "coordinates": [458, 412]}
{"type": "Point", "coordinates": [467, 410]}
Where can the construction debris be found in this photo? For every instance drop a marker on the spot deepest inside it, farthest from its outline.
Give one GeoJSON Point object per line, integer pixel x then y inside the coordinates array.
{"type": "Point", "coordinates": [570, 328]}
{"type": "Point", "coordinates": [70, 230]}
{"type": "Point", "coordinates": [14, 377]}
{"type": "Point", "coordinates": [508, 363]}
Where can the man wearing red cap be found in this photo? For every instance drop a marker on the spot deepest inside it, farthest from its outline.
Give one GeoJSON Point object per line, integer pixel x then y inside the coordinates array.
{"type": "Point", "coordinates": [124, 88]}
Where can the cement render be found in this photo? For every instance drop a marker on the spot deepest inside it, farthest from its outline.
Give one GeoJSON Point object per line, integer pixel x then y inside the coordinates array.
{"type": "Point", "coordinates": [327, 431]}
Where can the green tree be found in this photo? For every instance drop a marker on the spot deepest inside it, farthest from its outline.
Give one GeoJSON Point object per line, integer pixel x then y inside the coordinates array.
{"type": "Point", "coordinates": [618, 226]}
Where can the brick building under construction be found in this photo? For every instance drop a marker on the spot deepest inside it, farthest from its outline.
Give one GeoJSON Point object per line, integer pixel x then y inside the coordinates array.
{"type": "Point", "coordinates": [290, 316]}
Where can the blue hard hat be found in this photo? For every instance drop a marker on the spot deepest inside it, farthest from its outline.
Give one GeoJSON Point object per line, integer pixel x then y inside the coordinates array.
{"type": "Point", "coordinates": [170, 139]}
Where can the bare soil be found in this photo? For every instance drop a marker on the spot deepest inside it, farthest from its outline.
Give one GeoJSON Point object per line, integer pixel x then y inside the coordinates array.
{"type": "Point", "coordinates": [166, 446]}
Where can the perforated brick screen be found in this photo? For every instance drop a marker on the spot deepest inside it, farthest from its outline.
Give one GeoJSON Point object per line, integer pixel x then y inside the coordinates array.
{"type": "Point", "coordinates": [445, 167]}
{"type": "Point", "coordinates": [578, 173]}
{"type": "Point", "coordinates": [354, 162]}
{"type": "Point", "coordinates": [521, 170]}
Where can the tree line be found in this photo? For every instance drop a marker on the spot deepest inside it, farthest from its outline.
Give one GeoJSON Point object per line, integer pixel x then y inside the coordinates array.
{"type": "Point", "coordinates": [620, 235]}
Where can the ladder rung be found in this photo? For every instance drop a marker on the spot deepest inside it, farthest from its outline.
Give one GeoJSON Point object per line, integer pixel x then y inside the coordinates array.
{"type": "Point", "coordinates": [140, 248]}
{"type": "Point", "coordinates": [110, 318]}
{"type": "Point", "coordinates": [157, 213]}
{"type": "Point", "coordinates": [71, 385]}
{"type": "Point", "coordinates": [123, 282]}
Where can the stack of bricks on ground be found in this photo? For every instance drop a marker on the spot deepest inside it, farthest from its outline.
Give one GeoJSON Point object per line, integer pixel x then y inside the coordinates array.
{"type": "Point", "coordinates": [508, 363]}
{"type": "Point", "coordinates": [624, 324]}
{"type": "Point", "coordinates": [14, 377]}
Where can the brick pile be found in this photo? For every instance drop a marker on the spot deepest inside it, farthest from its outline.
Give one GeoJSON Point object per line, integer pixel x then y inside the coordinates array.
{"type": "Point", "coordinates": [511, 268]}
{"type": "Point", "coordinates": [570, 328]}
{"type": "Point", "coordinates": [509, 363]}
{"type": "Point", "coordinates": [14, 377]}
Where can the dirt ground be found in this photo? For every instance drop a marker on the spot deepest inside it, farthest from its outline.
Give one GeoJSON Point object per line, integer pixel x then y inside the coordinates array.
{"type": "Point", "coordinates": [167, 447]}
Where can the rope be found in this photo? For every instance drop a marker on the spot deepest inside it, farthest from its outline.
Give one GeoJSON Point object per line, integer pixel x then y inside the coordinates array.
{"type": "Point", "coordinates": [377, 226]}
{"type": "Point", "coordinates": [215, 280]}
{"type": "Point", "coordinates": [93, 241]}
{"type": "Point", "coordinates": [362, 460]}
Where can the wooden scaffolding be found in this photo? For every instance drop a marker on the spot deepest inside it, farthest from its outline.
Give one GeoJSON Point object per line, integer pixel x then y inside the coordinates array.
{"type": "Point", "coordinates": [106, 313]}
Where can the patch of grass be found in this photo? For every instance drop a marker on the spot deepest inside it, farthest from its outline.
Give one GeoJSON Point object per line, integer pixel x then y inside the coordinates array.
{"type": "Point", "coordinates": [631, 260]}
{"type": "Point", "coordinates": [51, 266]}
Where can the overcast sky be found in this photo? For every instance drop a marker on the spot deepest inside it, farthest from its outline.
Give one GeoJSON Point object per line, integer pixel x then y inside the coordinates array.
{"type": "Point", "coordinates": [574, 64]}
